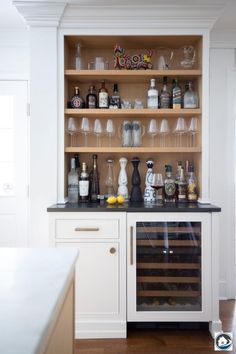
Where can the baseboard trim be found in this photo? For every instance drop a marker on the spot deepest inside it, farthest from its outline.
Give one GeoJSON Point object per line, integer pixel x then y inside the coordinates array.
{"type": "Point", "coordinates": [101, 329]}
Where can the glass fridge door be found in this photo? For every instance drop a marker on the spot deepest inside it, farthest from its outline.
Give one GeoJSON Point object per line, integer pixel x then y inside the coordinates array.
{"type": "Point", "coordinates": [168, 266]}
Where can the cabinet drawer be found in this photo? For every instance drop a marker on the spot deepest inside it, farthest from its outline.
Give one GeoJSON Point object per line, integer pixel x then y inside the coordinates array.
{"type": "Point", "coordinates": [86, 228]}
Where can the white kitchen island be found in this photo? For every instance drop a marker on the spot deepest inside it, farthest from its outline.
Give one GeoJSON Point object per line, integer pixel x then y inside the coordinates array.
{"type": "Point", "coordinates": [37, 301]}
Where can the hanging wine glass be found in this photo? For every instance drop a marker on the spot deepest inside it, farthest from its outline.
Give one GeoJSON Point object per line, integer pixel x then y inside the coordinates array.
{"type": "Point", "coordinates": [72, 129]}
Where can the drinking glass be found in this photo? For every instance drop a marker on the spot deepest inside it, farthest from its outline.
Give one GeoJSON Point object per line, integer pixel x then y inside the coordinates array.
{"type": "Point", "coordinates": [97, 129]}
{"type": "Point", "coordinates": [138, 130]}
{"type": "Point", "coordinates": [193, 129]}
{"type": "Point", "coordinates": [110, 130]}
{"type": "Point", "coordinates": [85, 129]}
{"type": "Point", "coordinates": [72, 128]}
{"type": "Point", "coordinates": [158, 185]}
{"type": "Point", "coordinates": [179, 131]}
{"type": "Point", "coordinates": [164, 131]}
{"type": "Point", "coordinates": [152, 130]}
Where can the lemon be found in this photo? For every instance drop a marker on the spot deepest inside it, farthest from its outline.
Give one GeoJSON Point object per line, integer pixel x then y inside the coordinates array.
{"type": "Point", "coordinates": [120, 199]}
{"type": "Point", "coordinates": [111, 200]}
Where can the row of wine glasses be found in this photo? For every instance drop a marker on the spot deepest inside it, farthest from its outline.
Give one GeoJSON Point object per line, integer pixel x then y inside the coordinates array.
{"type": "Point", "coordinates": [184, 133]}
{"type": "Point", "coordinates": [84, 128]}
{"type": "Point", "coordinates": [181, 130]}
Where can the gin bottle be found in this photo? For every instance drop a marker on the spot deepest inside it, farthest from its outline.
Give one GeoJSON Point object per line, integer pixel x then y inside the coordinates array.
{"type": "Point", "coordinates": [73, 183]}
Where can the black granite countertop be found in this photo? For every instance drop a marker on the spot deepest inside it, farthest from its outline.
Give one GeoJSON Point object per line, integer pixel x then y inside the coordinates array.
{"type": "Point", "coordinates": [135, 208]}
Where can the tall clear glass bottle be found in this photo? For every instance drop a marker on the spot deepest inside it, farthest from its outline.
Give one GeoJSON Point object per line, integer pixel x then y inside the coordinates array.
{"type": "Point", "coordinates": [94, 190]}
{"type": "Point", "coordinates": [109, 182]}
{"type": "Point", "coordinates": [78, 57]}
{"type": "Point", "coordinates": [73, 183]}
{"type": "Point", "coordinates": [152, 95]}
{"type": "Point", "coordinates": [190, 97]}
{"type": "Point", "coordinates": [192, 186]}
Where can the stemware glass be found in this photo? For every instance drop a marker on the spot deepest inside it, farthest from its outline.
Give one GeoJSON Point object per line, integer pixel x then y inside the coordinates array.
{"type": "Point", "coordinates": [110, 130]}
{"type": "Point", "coordinates": [72, 129]}
{"type": "Point", "coordinates": [97, 129]}
{"type": "Point", "coordinates": [179, 131]}
{"type": "Point", "coordinates": [85, 129]}
{"type": "Point", "coordinates": [193, 129]}
{"type": "Point", "coordinates": [152, 130]}
{"type": "Point", "coordinates": [158, 185]}
{"type": "Point", "coordinates": [164, 131]}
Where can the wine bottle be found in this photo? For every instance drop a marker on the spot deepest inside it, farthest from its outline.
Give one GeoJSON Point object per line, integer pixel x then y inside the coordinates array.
{"type": "Point", "coordinates": [84, 184]}
{"type": "Point", "coordinates": [94, 181]}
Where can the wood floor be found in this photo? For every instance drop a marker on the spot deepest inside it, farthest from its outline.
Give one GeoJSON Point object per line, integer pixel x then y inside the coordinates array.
{"type": "Point", "coordinates": [166, 341]}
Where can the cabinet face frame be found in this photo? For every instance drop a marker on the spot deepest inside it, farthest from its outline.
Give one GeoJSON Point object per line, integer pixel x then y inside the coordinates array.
{"type": "Point", "coordinates": [203, 155]}
{"type": "Point", "coordinates": [205, 313]}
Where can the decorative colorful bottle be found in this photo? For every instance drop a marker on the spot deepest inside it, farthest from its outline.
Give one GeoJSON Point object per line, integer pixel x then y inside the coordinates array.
{"type": "Point", "coordinates": [149, 192]}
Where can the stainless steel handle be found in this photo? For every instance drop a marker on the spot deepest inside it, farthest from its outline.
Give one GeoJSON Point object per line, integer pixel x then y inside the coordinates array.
{"type": "Point", "coordinates": [131, 245]}
{"type": "Point", "coordinates": [112, 250]}
{"type": "Point", "coordinates": [87, 229]}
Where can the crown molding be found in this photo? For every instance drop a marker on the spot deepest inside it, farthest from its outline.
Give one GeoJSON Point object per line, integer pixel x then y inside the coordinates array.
{"type": "Point", "coordinates": [113, 14]}
{"type": "Point", "coordinates": [141, 15]}
{"type": "Point", "coordinates": [40, 13]}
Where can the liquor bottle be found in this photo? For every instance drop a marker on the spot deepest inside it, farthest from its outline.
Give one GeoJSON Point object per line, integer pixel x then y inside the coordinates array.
{"type": "Point", "coordinates": [115, 98]}
{"type": "Point", "coordinates": [84, 184]}
{"type": "Point", "coordinates": [176, 95]}
{"type": "Point", "coordinates": [103, 100]}
{"type": "Point", "coordinates": [91, 98]}
{"type": "Point", "coordinates": [182, 187]}
{"type": "Point", "coordinates": [77, 101]}
{"type": "Point", "coordinates": [123, 179]}
{"type": "Point", "coordinates": [73, 184]}
{"type": "Point", "coordinates": [169, 185]}
{"type": "Point", "coordinates": [136, 193]}
{"type": "Point", "coordinates": [149, 191]}
{"type": "Point", "coordinates": [109, 182]}
{"type": "Point", "coordinates": [192, 186]}
{"type": "Point", "coordinates": [190, 97]}
{"type": "Point", "coordinates": [152, 95]}
{"type": "Point", "coordinates": [165, 97]}
{"type": "Point", "coordinates": [94, 191]}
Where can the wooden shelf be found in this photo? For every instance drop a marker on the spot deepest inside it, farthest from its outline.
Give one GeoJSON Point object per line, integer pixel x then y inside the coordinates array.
{"type": "Point", "coordinates": [132, 112]}
{"type": "Point", "coordinates": [153, 279]}
{"type": "Point", "coordinates": [182, 243]}
{"type": "Point", "coordinates": [128, 76]}
{"type": "Point", "coordinates": [131, 150]}
{"type": "Point", "coordinates": [176, 293]}
{"type": "Point", "coordinates": [168, 265]}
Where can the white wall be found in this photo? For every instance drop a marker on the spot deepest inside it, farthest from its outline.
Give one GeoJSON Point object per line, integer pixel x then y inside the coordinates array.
{"type": "Point", "coordinates": [222, 160]}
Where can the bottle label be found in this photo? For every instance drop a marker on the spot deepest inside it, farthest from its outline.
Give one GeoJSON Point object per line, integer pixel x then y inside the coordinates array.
{"type": "Point", "coordinates": [84, 188]}
{"type": "Point", "coordinates": [152, 101]}
{"type": "Point", "coordinates": [165, 102]}
{"type": "Point", "coordinates": [76, 102]}
{"type": "Point", "coordinates": [170, 189]}
{"type": "Point", "coordinates": [91, 101]}
{"type": "Point", "coordinates": [103, 99]}
{"type": "Point", "coordinates": [177, 98]}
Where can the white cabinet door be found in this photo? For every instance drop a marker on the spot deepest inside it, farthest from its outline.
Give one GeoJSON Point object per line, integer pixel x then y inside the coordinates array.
{"type": "Point", "coordinates": [169, 267]}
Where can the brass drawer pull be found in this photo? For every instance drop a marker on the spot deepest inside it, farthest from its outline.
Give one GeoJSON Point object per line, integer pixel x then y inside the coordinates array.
{"type": "Point", "coordinates": [87, 229]}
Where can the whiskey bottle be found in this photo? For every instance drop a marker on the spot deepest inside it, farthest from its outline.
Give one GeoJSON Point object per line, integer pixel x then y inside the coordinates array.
{"type": "Point", "coordinates": [115, 98]}
{"type": "Point", "coordinates": [176, 95]}
{"type": "Point", "coordinates": [192, 186]}
{"type": "Point", "coordinates": [84, 184]}
{"type": "Point", "coordinates": [190, 97]}
{"type": "Point", "coordinates": [152, 95]}
{"type": "Point", "coordinates": [169, 185]}
{"type": "Point", "coordinates": [73, 183]}
{"type": "Point", "coordinates": [103, 100]}
{"type": "Point", "coordinates": [165, 97]}
{"type": "Point", "coordinates": [94, 181]}
{"type": "Point", "coordinates": [91, 98]}
{"type": "Point", "coordinates": [182, 187]}
{"type": "Point", "coordinates": [77, 101]}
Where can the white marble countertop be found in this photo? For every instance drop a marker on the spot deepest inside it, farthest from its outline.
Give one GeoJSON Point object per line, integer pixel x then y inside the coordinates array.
{"type": "Point", "coordinates": [32, 285]}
